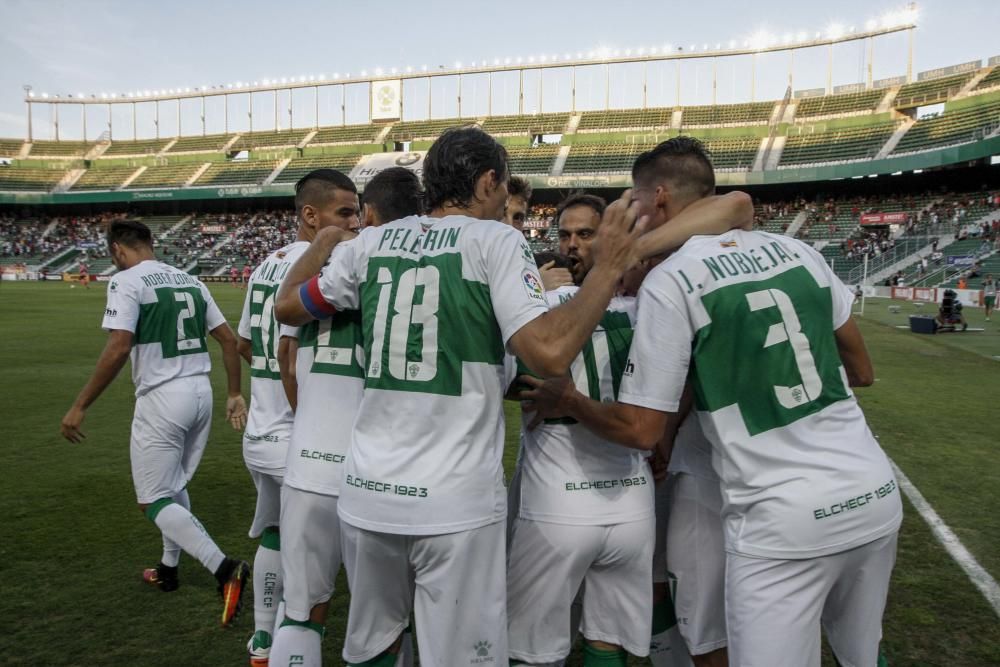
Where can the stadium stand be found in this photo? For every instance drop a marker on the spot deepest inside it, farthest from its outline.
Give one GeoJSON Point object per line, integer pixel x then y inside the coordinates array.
{"type": "Point", "coordinates": [200, 144]}
{"type": "Point", "coordinates": [252, 236]}
{"type": "Point", "coordinates": [532, 159]}
{"type": "Point", "coordinates": [953, 126]}
{"type": "Point", "coordinates": [830, 105]}
{"type": "Point", "coordinates": [165, 175]}
{"type": "Point", "coordinates": [855, 143]}
{"type": "Point", "coordinates": [251, 140]}
{"type": "Point", "coordinates": [10, 147]}
{"type": "Point", "coordinates": [754, 113]}
{"type": "Point", "coordinates": [425, 129]}
{"type": "Point", "coordinates": [21, 241]}
{"type": "Point", "coordinates": [930, 91]}
{"type": "Point", "coordinates": [140, 147]}
{"type": "Point", "coordinates": [299, 167]}
{"type": "Point", "coordinates": [59, 149]}
{"type": "Point", "coordinates": [345, 134]}
{"type": "Point", "coordinates": [107, 178]}
{"type": "Point", "coordinates": [622, 119]}
{"type": "Point", "coordinates": [990, 80]}
{"type": "Point", "coordinates": [237, 173]}
{"type": "Point", "coordinates": [545, 123]}
{"type": "Point", "coordinates": [26, 179]}
{"type": "Point", "coordinates": [610, 158]}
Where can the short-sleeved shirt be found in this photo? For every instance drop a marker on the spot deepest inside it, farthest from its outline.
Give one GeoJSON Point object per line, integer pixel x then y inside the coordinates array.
{"type": "Point", "coordinates": [440, 298]}
{"type": "Point", "coordinates": [330, 371]}
{"type": "Point", "coordinates": [269, 421]}
{"type": "Point", "coordinates": [570, 475]}
{"type": "Point", "coordinates": [170, 313]}
{"type": "Point", "coordinates": [753, 315]}
{"type": "Point", "coordinates": [989, 288]}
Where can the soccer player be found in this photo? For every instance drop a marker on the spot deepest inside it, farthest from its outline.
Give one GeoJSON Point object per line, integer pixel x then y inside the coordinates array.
{"type": "Point", "coordinates": [245, 278]}
{"type": "Point", "coordinates": [160, 316]}
{"type": "Point", "coordinates": [84, 275]}
{"type": "Point", "coordinates": [810, 504]}
{"type": "Point", "coordinates": [234, 276]}
{"type": "Point", "coordinates": [989, 295]}
{"type": "Point", "coordinates": [423, 503]}
{"type": "Point", "coordinates": [324, 197]}
{"type": "Point", "coordinates": [518, 201]}
{"type": "Point", "coordinates": [329, 381]}
{"type": "Point", "coordinates": [585, 512]}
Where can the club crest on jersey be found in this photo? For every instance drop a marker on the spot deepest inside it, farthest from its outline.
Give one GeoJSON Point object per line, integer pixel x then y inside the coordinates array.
{"type": "Point", "coordinates": [533, 285]}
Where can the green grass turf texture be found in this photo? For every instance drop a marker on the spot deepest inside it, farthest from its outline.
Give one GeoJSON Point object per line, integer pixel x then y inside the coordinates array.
{"type": "Point", "coordinates": [74, 543]}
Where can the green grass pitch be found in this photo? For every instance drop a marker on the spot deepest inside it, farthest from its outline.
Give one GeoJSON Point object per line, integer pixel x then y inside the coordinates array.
{"type": "Point", "coordinates": [74, 544]}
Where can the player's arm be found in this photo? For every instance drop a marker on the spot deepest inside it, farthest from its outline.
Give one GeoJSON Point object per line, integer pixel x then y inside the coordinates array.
{"type": "Point", "coordinates": [712, 215]}
{"type": "Point", "coordinates": [293, 308]}
{"type": "Point", "coordinates": [236, 407]}
{"type": "Point", "coordinates": [288, 348]}
{"type": "Point", "coordinates": [665, 446]}
{"type": "Point", "coordinates": [629, 425]}
{"type": "Point", "coordinates": [548, 343]}
{"type": "Point", "coordinates": [854, 355]}
{"type": "Point", "coordinates": [245, 349]}
{"type": "Point", "coordinates": [109, 364]}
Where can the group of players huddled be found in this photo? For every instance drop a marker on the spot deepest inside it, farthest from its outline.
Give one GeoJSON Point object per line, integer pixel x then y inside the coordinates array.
{"type": "Point", "coordinates": [695, 480]}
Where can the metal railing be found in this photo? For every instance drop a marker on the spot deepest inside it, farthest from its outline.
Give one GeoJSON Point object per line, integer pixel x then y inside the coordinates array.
{"type": "Point", "coordinates": [904, 247]}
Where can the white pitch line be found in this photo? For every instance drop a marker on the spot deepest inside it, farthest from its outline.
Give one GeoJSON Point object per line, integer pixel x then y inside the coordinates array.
{"type": "Point", "coordinates": [979, 577]}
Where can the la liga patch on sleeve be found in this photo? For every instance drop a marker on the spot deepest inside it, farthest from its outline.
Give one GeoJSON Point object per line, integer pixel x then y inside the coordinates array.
{"type": "Point", "coordinates": [533, 285]}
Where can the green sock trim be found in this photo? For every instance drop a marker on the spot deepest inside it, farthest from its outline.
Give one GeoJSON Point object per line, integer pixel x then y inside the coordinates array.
{"type": "Point", "coordinates": [384, 660]}
{"type": "Point", "coordinates": [271, 538]}
{"type": "Point", "coordinates": [315, 627]}
{"type": "Point", "coordinates": [154, 508]}
{"type": "Point", "coordinates": [882, 661]}
{"type": "Point", "coordinates": [596, 657]}
{"type": "Point", "coordinates": [664, 616]}
{"type": "Point", "coordinates": [262, 639]}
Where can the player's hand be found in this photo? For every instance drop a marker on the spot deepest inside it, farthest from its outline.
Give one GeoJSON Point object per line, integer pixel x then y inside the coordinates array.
{"type": "Point", "coordinates": [615, 244]}
{"type": "Point", "coordinates": [658, 466]}
{"type": "Point", "coordinates": [547, 399]}
{"type": "Point", "coordinates": [70, 426]}
{"type": "Point", "coordinates": [329, 237]}
{"type": "Point", "coordinates": [236, 412]}
{"type": "Point", "coordinates": [554, 277]}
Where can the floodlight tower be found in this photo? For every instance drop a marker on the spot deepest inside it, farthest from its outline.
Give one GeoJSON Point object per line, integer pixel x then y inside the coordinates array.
{"type": "Point", "coordinates": [27, 100]}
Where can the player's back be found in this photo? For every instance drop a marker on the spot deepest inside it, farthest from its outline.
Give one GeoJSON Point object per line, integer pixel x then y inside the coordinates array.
{"type": "Point", "coordinates": [269, 421]}
{"type": "Point", "coordinates": [802, 473]}
{"type": "Point", "coordinates": [439, 297]}
{"type": "Point", "coordinates": [170, 313]}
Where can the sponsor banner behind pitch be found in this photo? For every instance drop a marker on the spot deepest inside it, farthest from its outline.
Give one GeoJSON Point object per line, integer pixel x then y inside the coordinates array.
{"type": "Point", "coordinates": [386, 102]}
{"type": "Point", "coordinates": [883, 218]}
{"type": "Point", "coordinates": [366, 170]}
{"type": "Point", "coordinates": [968, 297]}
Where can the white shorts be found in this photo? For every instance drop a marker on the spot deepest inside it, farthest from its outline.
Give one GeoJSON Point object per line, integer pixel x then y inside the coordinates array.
{"type": "Point", "coordinates": [696, 558]}
{"type": "Point", "coordinates": [845, 592]}
{"type": "Point", "coordinates": [662, 505]}
{"type": "Point", "coordinates": [454, 584]}
{"type": "Point", "coordinates": [548, 564]}
{"type": "Point", "coordinates": [310, 550]}
{"type": "Point", "coordinates": [267, 514]}
{"type": "Point", "coordinates": [169, 433]}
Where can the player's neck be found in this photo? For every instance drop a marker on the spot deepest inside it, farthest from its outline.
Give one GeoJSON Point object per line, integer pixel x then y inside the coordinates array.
{"type": "Point", "coordinates": [472, 211]}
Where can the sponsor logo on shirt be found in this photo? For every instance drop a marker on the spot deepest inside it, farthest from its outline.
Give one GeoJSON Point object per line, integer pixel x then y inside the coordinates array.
{"type": "Point", "coordinates": [110, 312]}
{"type": "Point", "coordinates": [482, 649]}
{"type": "Point", "coordinates": [629, 368]}
{"type": "Point", "coordinates": [533, 285]}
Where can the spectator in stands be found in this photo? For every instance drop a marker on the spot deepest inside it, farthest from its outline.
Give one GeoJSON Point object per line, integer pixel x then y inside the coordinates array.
{"type": "Point", "coordinates": [516, 211]}
{"type": "Point", "coordinates": [963, 283]}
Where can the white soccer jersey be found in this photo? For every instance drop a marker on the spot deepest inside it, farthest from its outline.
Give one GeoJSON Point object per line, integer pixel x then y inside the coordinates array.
{"type": "Point", "coordinates": [329, 371]}
{"type": "Point", "coordinates": [170, 313]}
{"type": "Point", "coordinates": [440, 298]}
{"type": "Point", "coordinates": [568, 474]}
{"type": "Point", "coordinates": [269, 422]}
{"type": "Point", "coordinates": [754, 313]}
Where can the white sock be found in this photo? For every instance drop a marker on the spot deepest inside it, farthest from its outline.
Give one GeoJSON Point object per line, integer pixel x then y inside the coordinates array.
{"type": "Point", "coordinates": [279, 618]}
{"type": "Point", "coordinates": [182, 527]}
{"type": "Point", "coordinates": [172, 550]}
{"type": "Point", "coordinates": [267, 586]}
{"type": "Point", "coordinates": [296, 646]}
{"type": "Point", "coordinates": [405, 657]}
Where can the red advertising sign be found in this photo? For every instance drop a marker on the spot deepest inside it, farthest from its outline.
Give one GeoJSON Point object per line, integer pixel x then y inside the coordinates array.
{"type": "Point", "coordinates": [897, 218]}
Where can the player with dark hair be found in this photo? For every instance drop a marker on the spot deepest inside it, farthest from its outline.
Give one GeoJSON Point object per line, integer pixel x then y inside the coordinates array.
{"type": "Point", "coordinates": [441, 297]}
{"type": "Point", "coordinates": [810, 505]}
{"type": "Point", "coordinates": [326, 197]}
{"type": "Point", "coordinates": [160, 316]}
{"type": "Point", "coordinates": [328, 362]}
{"type": "Point", "coordinates": [518, 200]}
{"type": "Point", "coordinates": [577, 217]}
